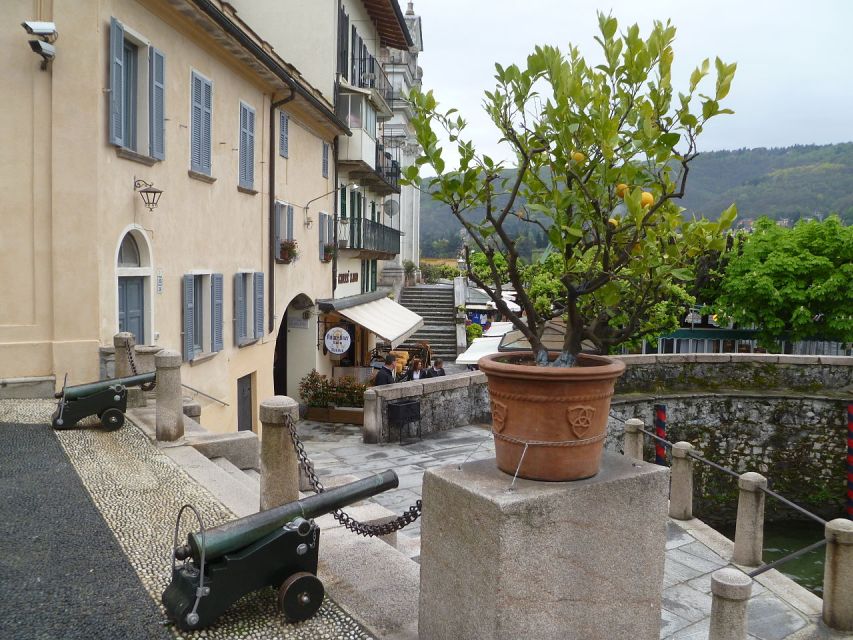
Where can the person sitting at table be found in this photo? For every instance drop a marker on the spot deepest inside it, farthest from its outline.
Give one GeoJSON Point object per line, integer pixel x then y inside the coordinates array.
{"type": "Point", "coordinates": [415, 372]}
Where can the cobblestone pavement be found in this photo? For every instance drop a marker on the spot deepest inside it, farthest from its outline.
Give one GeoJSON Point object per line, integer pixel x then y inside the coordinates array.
{"type": "Point", "coordinates": [337, 449]}
{"type": "Point", "coordinates": [138, 491]}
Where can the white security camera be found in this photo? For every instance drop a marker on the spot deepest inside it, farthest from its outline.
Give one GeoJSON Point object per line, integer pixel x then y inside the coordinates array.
{"type": "Point", "coordinates": [44, 49]}
{"type": "Point", "coordinates": [44, 30]}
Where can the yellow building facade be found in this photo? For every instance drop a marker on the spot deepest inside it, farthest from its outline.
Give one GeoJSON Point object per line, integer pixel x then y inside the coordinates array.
{"type": "Point", "coordinates": [184, 96]}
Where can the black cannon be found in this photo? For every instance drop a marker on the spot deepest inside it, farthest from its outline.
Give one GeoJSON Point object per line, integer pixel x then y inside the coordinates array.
{"type": "Point", "coordinates": [106, 398]}
{"type": "Point", "coordinates": [275, 548]}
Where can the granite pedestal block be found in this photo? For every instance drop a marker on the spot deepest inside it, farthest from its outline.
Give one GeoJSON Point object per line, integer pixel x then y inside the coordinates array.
{"type": "Point", "coordinates": [546, 560]}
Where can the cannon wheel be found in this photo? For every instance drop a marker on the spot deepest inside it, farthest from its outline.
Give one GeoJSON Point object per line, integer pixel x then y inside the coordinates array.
{"type": "Point", "coordinates": [300, 596]}
{"type": "Point", "coordinates": [111, 419]}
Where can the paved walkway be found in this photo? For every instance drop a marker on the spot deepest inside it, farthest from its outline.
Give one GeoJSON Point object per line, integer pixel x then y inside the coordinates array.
{"type": "Point", "coordinates": [779, 609]}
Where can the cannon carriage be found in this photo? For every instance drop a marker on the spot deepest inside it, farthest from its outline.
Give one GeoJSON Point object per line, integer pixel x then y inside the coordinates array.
{"type": "Point", "coordinates": [106, 399]}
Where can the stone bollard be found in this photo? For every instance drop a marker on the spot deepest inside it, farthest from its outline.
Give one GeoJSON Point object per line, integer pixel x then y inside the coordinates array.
{"type": "Point", "coordinates": [681, 483]}
{"type": "Point", "coordinates": [279, 465]}
{"type": "Point", "coordinates": [372, 417]}
{"type": "Point", "coordinates": [838, 575]}
{"type": "Point", "coordinates": [749, 529]}
{"type": "Point", "coordinates": [633, 445]}
{"type": "Point", "coordinates": [170, 401]}
{"type": "Point", "coordinates": [123, 342]}
{"type": "Point", "coordinates": [731, 589]}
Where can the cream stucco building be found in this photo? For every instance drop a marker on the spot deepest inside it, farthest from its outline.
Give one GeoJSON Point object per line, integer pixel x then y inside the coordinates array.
{"type": "Point", "coordinates": [181, 94]}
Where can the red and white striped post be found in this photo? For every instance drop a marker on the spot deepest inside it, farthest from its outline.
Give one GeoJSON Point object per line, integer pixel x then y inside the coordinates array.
{"type": "Point", "coordinates": [850, 460]}
{"type": "Point", "coordinates": [660, 432]}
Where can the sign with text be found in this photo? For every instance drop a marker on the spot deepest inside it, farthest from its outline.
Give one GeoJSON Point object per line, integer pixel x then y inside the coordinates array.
{"type": "Point", "coordinates": [338, 340]}
{"type": "Point", "coordinates": [344, 278]}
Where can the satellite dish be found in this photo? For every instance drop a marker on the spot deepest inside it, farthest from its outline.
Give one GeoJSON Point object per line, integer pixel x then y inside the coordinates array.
{"type": "Point", "coordinates": [392, 208]}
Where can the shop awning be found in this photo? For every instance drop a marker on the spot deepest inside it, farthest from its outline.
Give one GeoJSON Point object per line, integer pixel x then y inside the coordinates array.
{"type": "Point", "coordinates": [390, 321]}
{"type": "Point", "coordinates": [479, 348]}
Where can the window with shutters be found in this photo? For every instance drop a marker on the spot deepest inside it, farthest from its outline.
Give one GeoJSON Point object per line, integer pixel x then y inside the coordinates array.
{"type": "Point", "coordinates": [137, 95]}
{"type": "Point", "coordinates": [202, 315]}
{"type": "Point", "coordinates": [283, 231]}
{"type": "Point", "coordinates": [283, 134]}
{"type": "Point", "coordinates": [201, 122]}
{"type": "Point", "coordinates": [326, 237]}
{"type": "Point", "coordinates": [248, 307]}
{"type": "Point", "coordinates": [247, 147]}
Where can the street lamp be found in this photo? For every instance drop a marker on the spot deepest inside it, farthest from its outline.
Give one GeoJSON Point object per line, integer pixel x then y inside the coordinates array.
{"type": "Point", "coordinates": [150, 194]}
{"type": "Point", "coordinates": [308, 204]}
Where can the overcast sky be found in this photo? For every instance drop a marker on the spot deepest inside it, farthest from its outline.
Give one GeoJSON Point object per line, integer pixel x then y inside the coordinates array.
{"type": "Point", "coordinates": [794, 83]}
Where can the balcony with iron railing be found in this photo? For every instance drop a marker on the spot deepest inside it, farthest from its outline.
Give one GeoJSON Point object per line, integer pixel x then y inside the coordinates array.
{"type": "Point", "coordinates": [371, 239]}
{"type": "Point", "coordinates": [367, 73]}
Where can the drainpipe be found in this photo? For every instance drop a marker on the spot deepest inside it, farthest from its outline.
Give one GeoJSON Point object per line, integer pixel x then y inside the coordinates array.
{"type": "Point", "coordinates": [273, 154]}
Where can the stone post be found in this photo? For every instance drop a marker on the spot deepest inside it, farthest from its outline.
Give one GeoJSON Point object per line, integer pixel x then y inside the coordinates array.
{"type": "Point", "coordinates": [170, 401]}
{"type": "Point", "coordinates": [372, 418]}
{"type": "Point", "coordinates": [681, 485]}
{"type": "Point", "coordinates": [731, 589]}
{"type": "Point", "coordinates": [123, 342]}
{"type": "Point", "coordinates": [279, 466]}
{"type": "Point", "coordinates": [838, 575]}
{"type": "Point", "coordinates": [749, 529]}
{"type": "Point", "coordinates": [633, 444]}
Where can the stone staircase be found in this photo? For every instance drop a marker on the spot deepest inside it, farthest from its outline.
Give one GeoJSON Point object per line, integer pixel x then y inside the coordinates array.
{"type": "Point", "coordinates": [434, 303]}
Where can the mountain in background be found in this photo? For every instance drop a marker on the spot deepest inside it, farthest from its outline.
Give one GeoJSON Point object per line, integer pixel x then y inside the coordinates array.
{"type": "Point", "coordinates": [788, 183]}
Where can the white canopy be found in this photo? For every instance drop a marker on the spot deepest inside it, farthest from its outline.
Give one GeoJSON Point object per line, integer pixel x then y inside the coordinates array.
{"type": "Point", "coordinates": [497, 329]}
{"type": "Point", "coordinates": [387, 319]}
{"type": "Point", "coordinates": [479, 348]}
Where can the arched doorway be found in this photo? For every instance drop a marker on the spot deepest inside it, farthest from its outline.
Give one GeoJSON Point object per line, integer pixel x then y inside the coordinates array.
{"type": "Point", "coordinates": [295, 346]}
{"type": "Point", "coordinates": [133, 282]}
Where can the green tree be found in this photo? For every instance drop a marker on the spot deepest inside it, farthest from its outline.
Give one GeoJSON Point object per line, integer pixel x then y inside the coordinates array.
{"type": "Point", "coordinates": [793, 283]}
{"type": "Point", "coordinates": [602, 154]}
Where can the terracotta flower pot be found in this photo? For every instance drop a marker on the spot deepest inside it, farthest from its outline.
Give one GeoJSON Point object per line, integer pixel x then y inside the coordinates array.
{"type": "Point", "coordinates": [560, 414]}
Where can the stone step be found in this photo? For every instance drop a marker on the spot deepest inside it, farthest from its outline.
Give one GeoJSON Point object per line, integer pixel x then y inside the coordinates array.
{"type": "Point", "coordinates": [237, 474]}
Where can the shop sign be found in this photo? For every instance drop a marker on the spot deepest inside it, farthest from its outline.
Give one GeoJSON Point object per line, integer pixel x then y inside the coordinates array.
{"type": "Point", "coordinates": [344, 278]}
{"type": "Point", "coordinates": [338, 340]}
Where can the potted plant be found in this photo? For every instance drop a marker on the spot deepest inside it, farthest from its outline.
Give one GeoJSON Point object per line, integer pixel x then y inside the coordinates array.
{"type": "Point", "coordinates": [288, 251]}
{"type": "Point", "coordinates": [328, 252]}
{"type": "Point", "coordinates": [602, 152]}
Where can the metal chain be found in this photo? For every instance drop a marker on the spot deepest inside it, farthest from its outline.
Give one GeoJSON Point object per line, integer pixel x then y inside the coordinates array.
{"type": "Point", "coordinates": [146, 386]}
{"type": "Point", "coordinates": [404, 519]}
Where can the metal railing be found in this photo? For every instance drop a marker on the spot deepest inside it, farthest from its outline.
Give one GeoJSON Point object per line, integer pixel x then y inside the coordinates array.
{"type": "Point", "coordinates": [369, 74]}
{"type": "Point", "coordinates": [749, 528]}
{"type": "Point", "coordinates": [387, 162]}
{"type": "Point", "coordinates": [362, 233]}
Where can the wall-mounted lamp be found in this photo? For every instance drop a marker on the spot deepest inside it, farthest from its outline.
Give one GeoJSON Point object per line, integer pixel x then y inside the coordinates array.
{"type": "Point", "coordinates": [150, 194]}
{"type": "Point", "coordinates": [344, 186]}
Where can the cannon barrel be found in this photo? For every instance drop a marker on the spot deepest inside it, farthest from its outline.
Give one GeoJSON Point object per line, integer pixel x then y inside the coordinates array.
{"type": "Point", "coordinates": [242, 532]}
{"type": "Point", "coordinates": [83, 390]}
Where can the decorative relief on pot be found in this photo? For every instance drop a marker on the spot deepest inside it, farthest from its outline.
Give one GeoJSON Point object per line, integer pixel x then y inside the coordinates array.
{"type": "Point", "coordinates": [499, 412]}
{"type": "Point", "coordinates": [579, 419]}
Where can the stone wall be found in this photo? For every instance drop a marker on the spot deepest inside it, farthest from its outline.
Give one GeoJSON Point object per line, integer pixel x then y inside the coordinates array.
{"type": "Point", "coordinates": [797, 441]}
{"type": "Point", "coordinates": [446, 402]}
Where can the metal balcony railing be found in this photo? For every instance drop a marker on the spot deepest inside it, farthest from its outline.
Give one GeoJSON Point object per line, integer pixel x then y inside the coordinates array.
{"type": "Point", "coordinates": [367, 235]}
{"type": "Point", "coordinates": [369, 74]}
{"type": "Point", "coordinates": [387, 163]}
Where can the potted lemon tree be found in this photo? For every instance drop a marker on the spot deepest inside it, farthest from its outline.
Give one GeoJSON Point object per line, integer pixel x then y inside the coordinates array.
{"type": "Point", "coordinates": [601, 153]}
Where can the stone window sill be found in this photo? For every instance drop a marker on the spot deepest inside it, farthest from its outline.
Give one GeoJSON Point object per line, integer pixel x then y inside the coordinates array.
{"type": "Point", "coordinates": [246, 190]}
{"type": "Point", "coordinates": [128, 154]}
{"type": "Point", "coordinates": [248, 343]}
{"type": "Point", "coordinates": [202, 357]}
{"type": "Point", "coordinates": [195, 175]}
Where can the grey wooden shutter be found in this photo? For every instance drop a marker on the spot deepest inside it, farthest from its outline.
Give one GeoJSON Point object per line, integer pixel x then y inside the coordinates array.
{"type": "Point", "coordinates": [217, 342]}
{"type": "Point", "coordinates": [283, 134]}
{"type": "Point", "coordinates": [325, 159]}
{"type": "Point", "coordinates": [116, 83]}
{"type": "Point", "coordinates": [290, 222]}
{"type": "Point", "coordinates": [250, 147]}
{"type": "Point", "coordinates": [157, 104]}
{"type": "Point", "coordinates": [277, 230]}
{"type": "Point", "coordinates": [239, 309]}
{"type": "Point", "coordinates": [207, 123]}
{"type": "Point", "coordinates": [259, 304]}
{"type": "Point", "coordinates": [321, 228]}
{"type": "Point", "coordinates": [196, 120]}
{"type": "Point", "coordinates": [244, 147]}
{"type": "Point", "coordinates": [189, 312]}
{"type": "Point", "coordinates": [330, 231]}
